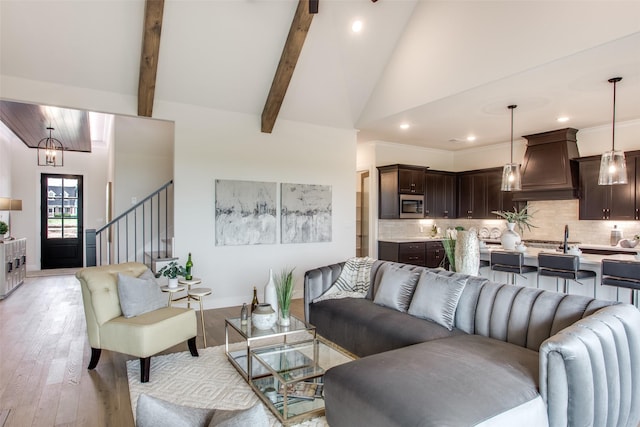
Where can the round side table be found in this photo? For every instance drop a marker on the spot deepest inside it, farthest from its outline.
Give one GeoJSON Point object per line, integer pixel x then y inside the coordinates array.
{"type": "Point", "coordinates": [172, 291]}
{"type": "Point", "coordinates": [198, 294]}
{"type": "Point", "coordinates": [189, 283]}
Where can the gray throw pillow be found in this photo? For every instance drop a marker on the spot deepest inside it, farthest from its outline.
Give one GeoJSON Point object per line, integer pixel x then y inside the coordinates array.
{"type": "Point", "coordinates": [154, 412]}
{"type": "Point", "coordinates": [436, 298]}
{"type": "Point", "coordinates": [139, 295]}
{"type": "Point", "coordinates": [254, 417]}
{"type": "Point", "coordinates": [396, 287]}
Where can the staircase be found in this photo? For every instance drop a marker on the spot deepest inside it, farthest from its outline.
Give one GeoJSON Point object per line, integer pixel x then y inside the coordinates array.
{"type": "Point", "coordinates": [143, 233]}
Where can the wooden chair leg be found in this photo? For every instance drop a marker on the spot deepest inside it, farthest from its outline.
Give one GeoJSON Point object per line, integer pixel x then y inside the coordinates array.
{"type": "Point", "coordinates": [145, 367]}
{"type": "Point", "coordinates": [95, 356]}
{"type": "Point", "coordinates": [192, 346]}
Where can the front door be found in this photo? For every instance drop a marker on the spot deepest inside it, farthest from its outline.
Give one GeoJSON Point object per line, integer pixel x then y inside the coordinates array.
{"type": "Point", "coordinates": [61, 221]}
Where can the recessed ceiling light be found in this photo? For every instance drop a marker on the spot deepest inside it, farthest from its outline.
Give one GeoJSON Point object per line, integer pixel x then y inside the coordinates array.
{"type": "Point", "coordinates": [471, 138]}
{"type": "Point", "coordinates": [404, 126]}
{"type": "Point", "coordinates": [563, 119]}
{"type": "Point", "coordinates": [356, 26]}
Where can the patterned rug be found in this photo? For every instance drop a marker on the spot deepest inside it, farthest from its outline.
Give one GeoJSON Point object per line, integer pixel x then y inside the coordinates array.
{"type": "Point", "coordinates": [208, 381]}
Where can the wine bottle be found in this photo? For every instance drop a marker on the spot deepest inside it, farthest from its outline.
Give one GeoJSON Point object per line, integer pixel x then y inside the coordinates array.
{"type": "Point", "coordinates": [254, 301]}
{"type": "Point", "coordinates": [188, 267]}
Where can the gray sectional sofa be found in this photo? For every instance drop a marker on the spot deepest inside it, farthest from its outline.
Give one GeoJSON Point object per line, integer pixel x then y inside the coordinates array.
{"type": "Point", "coordinates": [508, 355]}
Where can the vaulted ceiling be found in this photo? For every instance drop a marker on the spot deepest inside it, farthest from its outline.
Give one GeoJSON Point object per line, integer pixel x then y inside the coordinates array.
{"type": "Point", "coordinates": [448, 68]}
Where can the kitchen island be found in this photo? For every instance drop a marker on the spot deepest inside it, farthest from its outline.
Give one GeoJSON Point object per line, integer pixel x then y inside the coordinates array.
{"type": "Point", "coordinates": [587, 262]}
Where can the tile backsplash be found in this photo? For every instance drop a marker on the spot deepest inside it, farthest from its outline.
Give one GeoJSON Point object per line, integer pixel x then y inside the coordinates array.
{"type": "Point", "coordinates": [549, 218]}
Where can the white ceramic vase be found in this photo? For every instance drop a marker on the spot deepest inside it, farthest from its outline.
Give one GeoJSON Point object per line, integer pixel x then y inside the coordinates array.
{"type": "Point", "coordinates": [270, 294]}
{"type": "Point", "coordinates": [467, 253]}
{"type": "Point", "coordinates": [263, 317]}
{"type": "Point", "coordinates": [509, 237]}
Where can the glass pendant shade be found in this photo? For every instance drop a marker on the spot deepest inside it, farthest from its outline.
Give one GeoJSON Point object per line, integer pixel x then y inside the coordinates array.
{"type": "Point", "coordinates": [613, 168]}
{"type": "Point", "coordinates": [511, 171]}
{"type": "Point", "coordinates": [511, 177]}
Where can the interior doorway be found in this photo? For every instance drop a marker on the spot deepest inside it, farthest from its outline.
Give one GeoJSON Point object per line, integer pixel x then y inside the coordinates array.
{"type": "Point", "coordinates": [61, 221]}
{"type": "Point", "coordinates": [362, 214]}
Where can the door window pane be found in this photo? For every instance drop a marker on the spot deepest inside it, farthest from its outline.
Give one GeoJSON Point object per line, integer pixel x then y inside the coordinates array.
{"type": "Point", "coordinates": [62, 208]}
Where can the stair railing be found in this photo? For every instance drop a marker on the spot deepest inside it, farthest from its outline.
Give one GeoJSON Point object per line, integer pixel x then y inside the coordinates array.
{"type": "Point", "coordinates": [142, 233]}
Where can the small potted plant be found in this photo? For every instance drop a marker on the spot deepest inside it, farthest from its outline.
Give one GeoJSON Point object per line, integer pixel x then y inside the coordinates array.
{"type": "Point", "coordinates": [172, 271]}
{"type": "Point", "coordinates": [284, 290]}
{"type": "Point", "coordinates": [3, 229]}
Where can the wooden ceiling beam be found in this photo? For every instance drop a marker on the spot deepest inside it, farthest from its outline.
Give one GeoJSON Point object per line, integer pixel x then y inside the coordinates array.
{"type": "Point", "coordinates": [288, 60]}
{"type": "Point", "coordinates": [153, 10]}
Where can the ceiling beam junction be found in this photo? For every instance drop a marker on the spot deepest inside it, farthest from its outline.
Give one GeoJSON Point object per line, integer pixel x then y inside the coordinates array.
{"type": "Point", "coordinates": [153, 10]}
{"type": "Point", "coordinates": [288, 60]}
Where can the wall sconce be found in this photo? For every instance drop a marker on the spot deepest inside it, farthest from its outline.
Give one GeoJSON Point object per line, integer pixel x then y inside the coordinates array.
{"type": "Point", "coordinates": [50, 151]}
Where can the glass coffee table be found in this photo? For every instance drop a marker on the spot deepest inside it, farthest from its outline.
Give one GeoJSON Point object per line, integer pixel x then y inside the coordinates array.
{"type": "Point", "coordinates": [284, 367]}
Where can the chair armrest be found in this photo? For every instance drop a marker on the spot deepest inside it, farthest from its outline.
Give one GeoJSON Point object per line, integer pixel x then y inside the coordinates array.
{"type": "Point", "coordinates": [317, 281]}
{"type": "Point", "coordinates": [589, 372]}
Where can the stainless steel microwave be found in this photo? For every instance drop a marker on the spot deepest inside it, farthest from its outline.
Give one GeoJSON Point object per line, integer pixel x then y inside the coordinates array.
{"type": "Point", "coordinates": [411, 206]}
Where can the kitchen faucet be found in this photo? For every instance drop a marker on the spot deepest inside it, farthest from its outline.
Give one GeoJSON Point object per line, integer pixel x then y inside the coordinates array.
{"type": "Point", "coordinates": [566, 238]}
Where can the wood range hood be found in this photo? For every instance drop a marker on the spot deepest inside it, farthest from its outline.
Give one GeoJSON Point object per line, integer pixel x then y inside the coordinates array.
{"type": "Point", "coordinates": [549, 171]}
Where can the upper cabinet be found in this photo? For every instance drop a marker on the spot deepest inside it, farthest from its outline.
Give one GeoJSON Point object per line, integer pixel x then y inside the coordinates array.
{"type": "Point", "coordinates": [440, 194]}
{"type": "Point", "coordinates": [617, 202]}
{"type": "Point", "coordinates": [410, 179]}
{"type": "Point", "coordinates": [479, 194]}
{"type": "Point", "coordinates": [394, 180]}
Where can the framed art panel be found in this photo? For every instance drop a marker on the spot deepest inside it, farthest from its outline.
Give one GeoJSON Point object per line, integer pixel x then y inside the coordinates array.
{"type": "Point", "coordinates": [245, 213]}
{"type": "Point", "coordinates": [305, 213]}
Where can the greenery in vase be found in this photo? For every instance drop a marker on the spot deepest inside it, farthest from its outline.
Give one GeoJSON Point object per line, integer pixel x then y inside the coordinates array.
{"type": "Point", "coordinates": [284, 290]}
{"type": "Point", "coordinates": [3, 228]}
{"type": "Point", "coordinates": [521, 218]}
{"type": "Point", "coordinates": [450, 251]}
{"type": "Point", "coordinates": [172, 271]}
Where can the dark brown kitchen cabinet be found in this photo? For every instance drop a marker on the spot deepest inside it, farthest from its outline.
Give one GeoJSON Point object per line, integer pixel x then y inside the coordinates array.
{"type": "Point", "coordinates": [435, 254]}
{"type": "Point", "coordinates": [479, 194]}
{"type": "Point", "coordinates": [394, 180]}
{"type": "Point", "coordinates": [408, 253]}
{"type": "Point", "coordinates": [411, 180]}
{"type": "Point", "coordinates": [616, 202]}
{"type": "Point", "coordinates": [440, 194]}
{"type": "Point", "coordinates": [472, 195]}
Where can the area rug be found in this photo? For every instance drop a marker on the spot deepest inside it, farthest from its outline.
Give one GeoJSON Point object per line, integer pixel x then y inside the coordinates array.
{"type": "Point", "coordinates": [208, 381]}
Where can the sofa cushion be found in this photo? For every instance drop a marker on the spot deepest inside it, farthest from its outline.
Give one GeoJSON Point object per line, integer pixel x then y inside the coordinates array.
{"type": "Point", "coordinates": [365, 328]}
{"type": "Point", "coordinates": [436, 298]}
{"type": "Point", "coordinates": [457, 381]}
{"type": "Point", "coordinates": [396, 287]}
{"type": "Point", "coordinates": [139, 295]}
{"type": "Point", "coordinates": [254, 417]}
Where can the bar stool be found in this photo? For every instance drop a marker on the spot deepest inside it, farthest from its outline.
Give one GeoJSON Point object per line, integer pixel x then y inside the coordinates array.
{"type": "Point", "coordinates": [622, 274]}
{"type": "Point", "coordinates": [483, 263]}
{"type": "Point", "coordinates": [198, 294]}
{"type": "Point", "coordinates": [565, 267]}
{"type": "Point", "coordinates": [511, 262]}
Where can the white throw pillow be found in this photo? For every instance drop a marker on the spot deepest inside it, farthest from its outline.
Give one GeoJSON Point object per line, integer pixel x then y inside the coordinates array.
{"type": "Point", "coordinates": [139, 295]}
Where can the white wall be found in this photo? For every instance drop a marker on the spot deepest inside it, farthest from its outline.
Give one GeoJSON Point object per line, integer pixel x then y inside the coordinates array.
{"type": "Point", "coordinates": [212, 145]}
{"type": "Point", "coordinates": [143, 158]}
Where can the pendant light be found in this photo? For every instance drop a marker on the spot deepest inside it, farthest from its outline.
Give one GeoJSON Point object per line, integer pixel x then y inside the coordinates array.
{"type": "Point", "coordinates": [511, 171]}
{"type": "Point", "coordinates": [50, 151]}
{"type": "Point", "coordinates": [613, 167]}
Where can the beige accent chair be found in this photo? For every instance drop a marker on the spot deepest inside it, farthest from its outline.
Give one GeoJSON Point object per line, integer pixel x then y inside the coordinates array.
{"type": "Point", "coordinates": [141, 336]}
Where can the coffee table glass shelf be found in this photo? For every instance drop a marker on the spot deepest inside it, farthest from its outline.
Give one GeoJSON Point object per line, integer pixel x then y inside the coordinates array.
{"type": "Point", "coordinates": [286, 375]}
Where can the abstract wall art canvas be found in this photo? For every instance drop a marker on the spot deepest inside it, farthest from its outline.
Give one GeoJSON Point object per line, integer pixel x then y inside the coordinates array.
{"type": "Point", "coordinates": [305, 213]}
{"type": "Point", "coordinates": [245, 213]}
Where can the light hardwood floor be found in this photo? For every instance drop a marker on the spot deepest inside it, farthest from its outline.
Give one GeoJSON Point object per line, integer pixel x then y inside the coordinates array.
{"type": "Point", "coordinates": [44, 356]}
